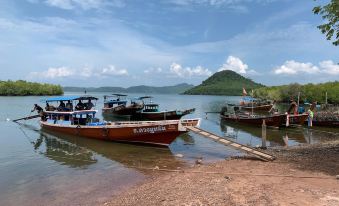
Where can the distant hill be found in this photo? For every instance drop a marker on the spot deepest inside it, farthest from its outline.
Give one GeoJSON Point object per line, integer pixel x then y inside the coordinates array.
{"type": "Point", "coordinates": [225, 82]}
{"type": "Point", "coordinates": [176, 89]}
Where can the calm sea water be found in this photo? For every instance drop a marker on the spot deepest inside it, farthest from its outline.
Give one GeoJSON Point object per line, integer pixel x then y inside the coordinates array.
{"type": "Point", "coordinates": [40, 168]}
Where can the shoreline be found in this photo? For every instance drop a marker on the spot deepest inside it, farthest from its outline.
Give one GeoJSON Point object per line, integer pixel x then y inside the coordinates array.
{"type": "Point", "coordinates": [301, 175]}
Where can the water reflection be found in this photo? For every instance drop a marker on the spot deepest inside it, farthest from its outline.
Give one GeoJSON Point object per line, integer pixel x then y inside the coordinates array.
{"type": "Point", "coordinates": [252, 135]}
{"type": "Point", "coordinates": [81, 152]}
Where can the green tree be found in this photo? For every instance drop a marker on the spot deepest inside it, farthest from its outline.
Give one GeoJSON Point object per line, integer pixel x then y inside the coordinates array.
{"type": "Point", "coordinates": [330, 12]}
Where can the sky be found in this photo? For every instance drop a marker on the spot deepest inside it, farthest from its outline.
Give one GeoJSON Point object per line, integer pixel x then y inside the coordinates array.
{"type": "Point", "coordinates": [91, 43]}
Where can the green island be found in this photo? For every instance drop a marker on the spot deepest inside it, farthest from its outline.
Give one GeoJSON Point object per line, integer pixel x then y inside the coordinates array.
{"type": "Point", "coordinates": [225, 82]}
{"type": "Point", "coordinates": [230, 83]}
{"type": "Point", "coordinates": [24, 88]}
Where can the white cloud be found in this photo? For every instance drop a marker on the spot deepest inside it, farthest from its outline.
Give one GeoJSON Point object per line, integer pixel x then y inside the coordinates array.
{"type": "Point", "coordinates": [178, 70]}
{"type": "Point", "coordinates": [293, 68]}
{"type": "Point", "coordinates": [112, 71]}
{"type": "Point", "coordinates": [235, 64]}
{"type": "Point", "coordinates": [53, 73]}
{"type": "Point", "coordinates": [86, 72]}
{"type": "Point", "coordinates": [329, 67]}
{"type": "Point", "coordinates": [62, 4]}
{"type": "Point", "coordinates": [218, 3]}
{"type": "Point", "coordinates": [85, 4]}
{"type": "Point", "coordinates": [153, 70]}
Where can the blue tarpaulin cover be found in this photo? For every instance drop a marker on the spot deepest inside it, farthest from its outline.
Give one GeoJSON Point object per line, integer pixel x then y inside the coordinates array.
{"type": "Point", "coordinates": [248, 99]}
{"type": "Point", "coordinates": [60, 98]}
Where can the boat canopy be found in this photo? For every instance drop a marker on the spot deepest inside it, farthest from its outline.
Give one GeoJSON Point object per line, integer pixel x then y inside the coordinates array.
{"type": "Point", "coordinates": [69, 98]}
{"type": "Point", "coordinates": [120, 95]}
{"type": "Point", "coordinates": [249, 99]}
{"type": "Point", "coordinates": [145, 97]}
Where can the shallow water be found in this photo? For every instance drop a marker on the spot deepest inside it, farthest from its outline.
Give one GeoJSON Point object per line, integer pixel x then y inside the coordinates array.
{"type": "Point", "coordinates": [42, 168]}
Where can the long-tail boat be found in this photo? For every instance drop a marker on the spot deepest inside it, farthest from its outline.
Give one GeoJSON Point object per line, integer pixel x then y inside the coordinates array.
{"type": "Point", "coordinates": [116, 104]}
{"type": "Point", "coordinates": [232, 113]}
{"type": "Point", "coordinates": [151, 112]}
{"type": "Point", "coordinates": [84, 123]}
{"type": "Point", "coordinates": [293, 117]}
{"type": "Point", "coordinates": [254, 104]}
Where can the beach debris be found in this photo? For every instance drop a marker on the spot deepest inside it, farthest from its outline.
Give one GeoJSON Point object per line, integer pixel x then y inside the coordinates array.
{"type": "Point", "coordinates": [198, 161]}
{"type": "Point", "coordinates": [8, 119]}
{"type": "Point", "coordinates": [227, 177]}
{"type": "Point", "coordinates": [156, 168]}
{"type": "Point", "coordinates": [337, 177]}
{"type": "Point", "coordinates": [179, 155]}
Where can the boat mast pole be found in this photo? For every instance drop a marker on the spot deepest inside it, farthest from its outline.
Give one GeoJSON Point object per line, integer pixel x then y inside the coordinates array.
{"type": "Point", "coordinates": [326, 99]}
{"type": "Point", "coordinates": [252, 101]}
{"type": "Point", "coordinates": [298, 99]}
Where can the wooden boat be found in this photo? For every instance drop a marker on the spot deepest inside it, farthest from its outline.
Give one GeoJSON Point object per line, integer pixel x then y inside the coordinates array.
{"type": "Point", "coordinates": [83, 123]}
{"type": "Point", "coordinates": [293, 117]}
{"type": "Point", "coordinates": [232, 113]}
{"type": "Point", "coordinates": [117, 105]}
{"type": "Point", "coordinates": [253, 104]}
{"type": "Point", "coordinates": [151, 112]}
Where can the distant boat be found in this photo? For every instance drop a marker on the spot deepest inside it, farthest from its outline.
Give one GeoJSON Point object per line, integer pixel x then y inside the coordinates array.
{"type": "Point", "coordinates": [84, 123]}
{"type": "Point", "coordinates": [151, 112]}
{"type": "Point", "coordinates": [254, 104]}
{"type": "Point", "coordinates": [232, 113]}
{"type": "Point", "coordinates": [116, 104]}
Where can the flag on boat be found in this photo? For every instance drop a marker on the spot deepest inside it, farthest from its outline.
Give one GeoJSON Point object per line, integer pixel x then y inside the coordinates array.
{"type": "Point", "coordinates": [244, 93]}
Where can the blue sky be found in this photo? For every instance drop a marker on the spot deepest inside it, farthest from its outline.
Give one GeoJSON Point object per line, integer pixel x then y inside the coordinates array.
{"type": "Point", "coordinates": [163, 42]}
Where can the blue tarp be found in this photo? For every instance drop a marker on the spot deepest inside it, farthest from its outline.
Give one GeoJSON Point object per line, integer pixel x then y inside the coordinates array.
{"type": "Point", "coordinates": [60, 98]}
{"type": "Point", "coordinates": [248, 99]}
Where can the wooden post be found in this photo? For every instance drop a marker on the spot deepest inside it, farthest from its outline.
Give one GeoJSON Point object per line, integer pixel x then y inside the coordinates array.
{"type": "Point", "coordinates": [263, 134]}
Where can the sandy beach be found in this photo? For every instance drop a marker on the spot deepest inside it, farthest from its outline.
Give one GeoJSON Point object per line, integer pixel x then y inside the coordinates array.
{"type": "Point", "coordinates": [302, 175]}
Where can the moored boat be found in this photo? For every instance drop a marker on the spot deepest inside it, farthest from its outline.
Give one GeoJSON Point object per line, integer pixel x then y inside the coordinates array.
{"type": "Point", "coordinates": [232, 113]}
{"type": "Point", "coordinates": [84, 123]}
{"type": "Point", "coordinates": [151, 112]}
{"type": "Point", "coordinates": [293, 115]}
{"type": "Point", "coordinates": [116, 104]}
{"type": "Point", "coordinates": [253, 104]}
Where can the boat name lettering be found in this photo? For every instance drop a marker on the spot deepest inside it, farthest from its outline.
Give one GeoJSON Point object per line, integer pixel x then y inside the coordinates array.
{"type": "Point", "coordinates": [149, 129]}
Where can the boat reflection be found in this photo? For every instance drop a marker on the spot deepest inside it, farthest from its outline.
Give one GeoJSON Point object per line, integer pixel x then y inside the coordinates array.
{"type": "Point", "coordinates": [80, 152]}
{"type": "Point", "coordinates": [63, 151]}
{"type": "Point", "coordinates": [252, 135]}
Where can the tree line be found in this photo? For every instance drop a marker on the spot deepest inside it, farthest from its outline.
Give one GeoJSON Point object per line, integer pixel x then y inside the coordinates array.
{"type": "Point", "coordinates": [308, 92]}
{"type": "Point", "coordinates": [24, 88]}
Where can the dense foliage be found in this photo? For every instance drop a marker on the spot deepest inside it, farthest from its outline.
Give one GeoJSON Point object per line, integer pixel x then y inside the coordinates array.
{"type": "Point", "coordinates": [176, 89]}
{"type": "Point", "coordinates": [23, 88]}
{"type": "Point", "coordinates": [329, 12]}
{"type": "Point", "coordinates": [224, 83]}
{"type": "Point", "coordinates": [308, 92]}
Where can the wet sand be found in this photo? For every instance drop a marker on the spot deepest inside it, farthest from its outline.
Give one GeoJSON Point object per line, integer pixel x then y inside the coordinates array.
{"type": "Point", "coordinates": [303, 175]}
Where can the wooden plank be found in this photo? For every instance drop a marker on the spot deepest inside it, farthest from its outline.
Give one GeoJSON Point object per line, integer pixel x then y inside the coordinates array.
{"type": "Point", "coordinates": [238, 146]}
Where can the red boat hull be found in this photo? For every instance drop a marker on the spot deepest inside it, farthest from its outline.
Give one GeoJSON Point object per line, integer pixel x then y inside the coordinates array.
{"type": "Point", "coordinates": [274, 121]}
{"type": "Point", "coordinates": [154, 133]}
{"type": "Point", "coordinates": [296, 119]}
